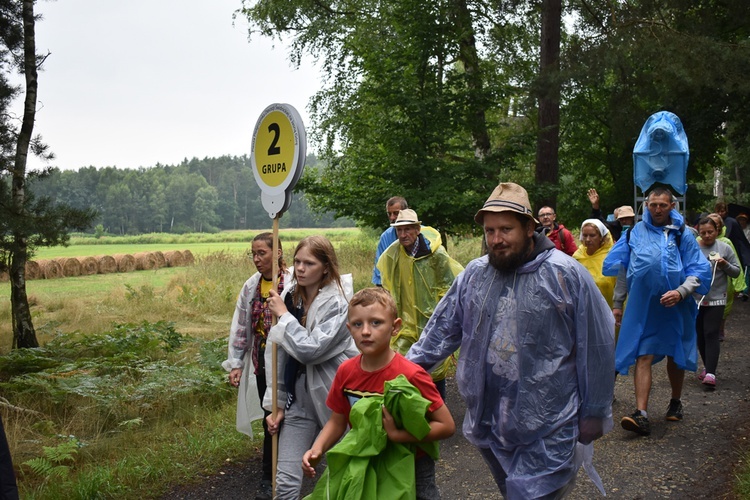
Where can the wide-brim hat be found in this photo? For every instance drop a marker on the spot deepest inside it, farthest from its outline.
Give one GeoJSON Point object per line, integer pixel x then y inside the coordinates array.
{"type": "Point", "coordinates": [624, 211]}
{"type": "Point", "coordinates": [507, 197]}
{"type": "Point", "coordinates": [406, 217]}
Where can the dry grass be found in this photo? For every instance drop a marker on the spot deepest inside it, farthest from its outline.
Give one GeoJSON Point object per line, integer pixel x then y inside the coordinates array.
{"type": "Point", "coordinates": [199, 300]}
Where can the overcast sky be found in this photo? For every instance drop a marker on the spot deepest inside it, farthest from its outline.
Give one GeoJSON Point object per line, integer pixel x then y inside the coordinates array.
{"type": "Point", "coordinates": [135, 82]}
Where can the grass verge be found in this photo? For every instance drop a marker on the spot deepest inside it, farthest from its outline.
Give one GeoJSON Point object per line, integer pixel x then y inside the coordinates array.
{"type": "Point", "coordinates": [127, 398]}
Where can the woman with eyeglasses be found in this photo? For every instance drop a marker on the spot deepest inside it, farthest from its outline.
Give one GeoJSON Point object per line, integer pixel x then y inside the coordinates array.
{"type": "Point", "coordinates": [247, 344]}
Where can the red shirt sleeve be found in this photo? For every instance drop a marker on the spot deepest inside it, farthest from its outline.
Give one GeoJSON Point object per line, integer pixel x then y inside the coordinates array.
{"type": "Point", "coordinates": [336, 399]}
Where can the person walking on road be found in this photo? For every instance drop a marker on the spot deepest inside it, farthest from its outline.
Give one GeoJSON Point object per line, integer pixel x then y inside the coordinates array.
{"type": "Point", "coordinates": [725, 265]}
{"type": "Point", "coordinates": [417, 271]}
{"type": "Point", "coordinates": [392, 207]}
{"type": "Point", "coordinates": [658, 267]}
{"type": "Point", "coordinates": [245, 361]}
{"type": "Point", "coordinates": [537, 351]}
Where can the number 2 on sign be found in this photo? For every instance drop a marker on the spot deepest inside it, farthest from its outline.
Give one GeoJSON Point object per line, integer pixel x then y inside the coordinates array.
{"type": "Point", "coordinates": [273, 149]}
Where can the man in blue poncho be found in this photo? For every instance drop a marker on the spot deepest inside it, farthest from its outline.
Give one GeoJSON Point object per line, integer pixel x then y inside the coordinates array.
{"type": "Point", "coordinates": [659, 266]}
{"type": "Point", "coordinates": [537, 352]}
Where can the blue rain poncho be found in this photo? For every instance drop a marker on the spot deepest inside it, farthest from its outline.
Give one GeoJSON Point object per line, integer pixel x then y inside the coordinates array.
{"type": "Point", "coordinates": [655, 266]}
{"type": "Point", "coordinates": [537, 359]}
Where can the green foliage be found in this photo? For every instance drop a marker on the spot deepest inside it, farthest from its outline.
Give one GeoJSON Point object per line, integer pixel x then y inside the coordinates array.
{"type": "Point", "coordinates": [413, 121]}
{"type": "Point", "coordinates": [134, 371]}
{"type": "Point", "coordinates": [55, 464]}
{"type": "Point", "coordinates": [204, 196]}
{"type": "Point", "coordinates": [99, 231]}
{"type": "Point", "coordinates": [409, 85]}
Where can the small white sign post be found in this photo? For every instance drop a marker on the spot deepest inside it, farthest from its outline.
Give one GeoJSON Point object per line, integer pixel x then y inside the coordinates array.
{"type": "Point", "coordinates": [278, 156]}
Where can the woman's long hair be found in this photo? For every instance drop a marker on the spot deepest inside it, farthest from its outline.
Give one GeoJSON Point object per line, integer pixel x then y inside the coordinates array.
{"type": "Point", "coordinates": [322, 250]}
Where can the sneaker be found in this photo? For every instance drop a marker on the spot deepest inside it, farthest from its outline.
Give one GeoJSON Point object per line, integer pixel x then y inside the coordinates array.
{"type": "Point", "coordinates": [702, 375]}
{"type": "Point", "coordinates": [636, 423]}
{"type": "Point", "coordinates": [710, 380]}
{"type": "Point", "coordinates": [264, 491]}
{"type": "Point", "coordinates": [674, 412]}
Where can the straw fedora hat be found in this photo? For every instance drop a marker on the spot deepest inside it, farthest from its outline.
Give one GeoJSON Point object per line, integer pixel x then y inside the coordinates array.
{"type": "Point", "coordinates": [406, 217]}
{"type": "Point", "coordinates": [507, 197]}
{"type": "Point", "coordinates": [624, 211]}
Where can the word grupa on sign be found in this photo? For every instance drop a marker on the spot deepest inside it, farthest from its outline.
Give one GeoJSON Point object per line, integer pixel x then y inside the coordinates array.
{"type": "Point", "coordinates": [272, 168]}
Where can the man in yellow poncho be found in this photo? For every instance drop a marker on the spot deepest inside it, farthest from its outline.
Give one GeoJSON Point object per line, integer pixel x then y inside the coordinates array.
{"type": "Point", "coordinates": [417, 271]}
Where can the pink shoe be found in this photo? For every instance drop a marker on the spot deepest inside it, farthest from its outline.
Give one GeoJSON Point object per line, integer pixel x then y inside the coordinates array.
{"type": "Point", "coordinates": [702, 375]}
{"type": "Point", "coordinates": [709, 380]}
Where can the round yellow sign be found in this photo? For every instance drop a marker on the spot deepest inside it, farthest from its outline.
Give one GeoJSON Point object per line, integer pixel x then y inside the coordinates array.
{"type": "Point", "coordinates": [278, 155]}
{"type": "Point", "coordinates": [275, 149]}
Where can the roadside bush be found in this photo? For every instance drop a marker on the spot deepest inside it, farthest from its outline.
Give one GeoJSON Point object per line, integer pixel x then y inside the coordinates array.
{"type": "Point", "coordinates": [89, 384]}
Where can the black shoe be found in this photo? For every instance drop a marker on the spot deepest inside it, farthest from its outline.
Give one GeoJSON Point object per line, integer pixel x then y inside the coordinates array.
{"type": "Point", "coordinates": [636, 423]}
{"type": "Point", "coordinates": [674, 412]}
{"type": "Point", "coordinates": [264, 492]}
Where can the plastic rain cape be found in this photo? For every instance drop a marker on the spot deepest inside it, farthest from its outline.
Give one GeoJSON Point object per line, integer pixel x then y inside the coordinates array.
{"type": "Point", "coordinates": [537, 356]}
{"type": "Point", "coordinates": [654, 266]}
{"type": "Point", "coordinates": [321, 346]}
{"type": "Point", "coordinates": [365, 464]}
{"type": "Point", "coordinates": [593, 264]}
{"type": "Point", "coordinates": [661, 153]}
{"type": "Point", "coordinates": [417, 285]}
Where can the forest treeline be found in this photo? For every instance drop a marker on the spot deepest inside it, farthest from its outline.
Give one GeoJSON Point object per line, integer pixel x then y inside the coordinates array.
{"type": "Point", "coordinates": [198, 195]}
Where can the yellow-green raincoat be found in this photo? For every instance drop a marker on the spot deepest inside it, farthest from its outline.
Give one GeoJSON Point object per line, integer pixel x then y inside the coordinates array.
{"type": "Point", "coordinates": [417, 285]}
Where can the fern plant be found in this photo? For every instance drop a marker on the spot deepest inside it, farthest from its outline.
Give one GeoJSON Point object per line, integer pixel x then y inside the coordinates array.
{"type": "Point", "coordinates": [57, 460]}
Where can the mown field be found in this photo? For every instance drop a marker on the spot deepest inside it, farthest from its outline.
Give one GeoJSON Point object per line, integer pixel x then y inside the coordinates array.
{"type": "Point", "coordinates": [126, 396]}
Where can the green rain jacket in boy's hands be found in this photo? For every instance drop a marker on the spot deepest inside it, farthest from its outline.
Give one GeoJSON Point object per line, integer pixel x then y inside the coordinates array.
{"type": "Point", "coordinates": [365, 464]}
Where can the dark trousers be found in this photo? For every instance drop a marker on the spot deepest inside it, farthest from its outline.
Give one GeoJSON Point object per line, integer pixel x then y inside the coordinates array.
{"type": "Point", "coordinates": [707, 326]}
{"type": "Point", "coordinates": [8, 487]}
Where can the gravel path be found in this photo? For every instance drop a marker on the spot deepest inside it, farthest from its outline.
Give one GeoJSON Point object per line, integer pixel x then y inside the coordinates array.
{"type": "Point", "coordinates": [694, 458]}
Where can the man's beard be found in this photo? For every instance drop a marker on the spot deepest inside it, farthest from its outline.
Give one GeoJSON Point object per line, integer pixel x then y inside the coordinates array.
{"type": "Point", "coordinates": [511, 262]}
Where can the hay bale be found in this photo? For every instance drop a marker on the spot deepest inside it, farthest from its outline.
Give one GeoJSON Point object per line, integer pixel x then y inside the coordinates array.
{"type": "Point", "coordinates": [144, 261]}
{"type": "Point", "coordinates": [174, 258]}
{"type": "Point", "coordinates": [188, 256]}
{"type": "Point", "coordinates": [33, 270]}
{"type": "Point", "coordinates": [70, 266]}
{"type": "Point", "coordinates": [125, 262]}
{"type": "Point", "coordinates": [106, 264]}
{"type": "Point", "coordinates": [160, 260]}
{"type": "Point", "coordinates": [89, 265]}
{"type": "Point", "coordinates": [51, 269]}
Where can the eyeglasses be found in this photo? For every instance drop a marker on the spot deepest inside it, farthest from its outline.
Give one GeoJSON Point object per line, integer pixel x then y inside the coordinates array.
{"type": "Point", "coordinates": [394, 213]}
{"type": "Point", "coordinates": [544, 215]}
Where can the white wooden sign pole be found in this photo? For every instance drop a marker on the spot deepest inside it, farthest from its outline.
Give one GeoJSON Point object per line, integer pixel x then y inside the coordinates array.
{"type": "Point", "coordinates": [278, 156]}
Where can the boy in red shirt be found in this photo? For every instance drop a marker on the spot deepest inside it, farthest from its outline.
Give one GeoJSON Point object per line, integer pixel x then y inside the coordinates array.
{"type": "Point", "coordinates": [372, 321]}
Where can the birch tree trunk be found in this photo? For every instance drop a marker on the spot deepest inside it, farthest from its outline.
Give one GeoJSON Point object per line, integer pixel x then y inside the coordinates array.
{"type": "Point", "coordinates": [24, 334]}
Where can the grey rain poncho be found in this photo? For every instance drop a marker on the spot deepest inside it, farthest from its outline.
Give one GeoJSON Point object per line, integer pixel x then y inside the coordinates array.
{"type": "Point", "coordinates": [537, 357]}
{"type": "Point", "coordinates": [321, 346]}
{"type": "Point", "coordinates": [240, 354]}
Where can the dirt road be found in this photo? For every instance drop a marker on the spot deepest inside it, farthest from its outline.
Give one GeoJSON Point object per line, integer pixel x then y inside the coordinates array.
{"type": "Point", "coordinates": [694, 458]}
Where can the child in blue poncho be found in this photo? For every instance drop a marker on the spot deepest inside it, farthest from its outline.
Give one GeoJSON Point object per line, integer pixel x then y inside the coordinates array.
{"type": "Point", "coordinates": [397, 407]}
